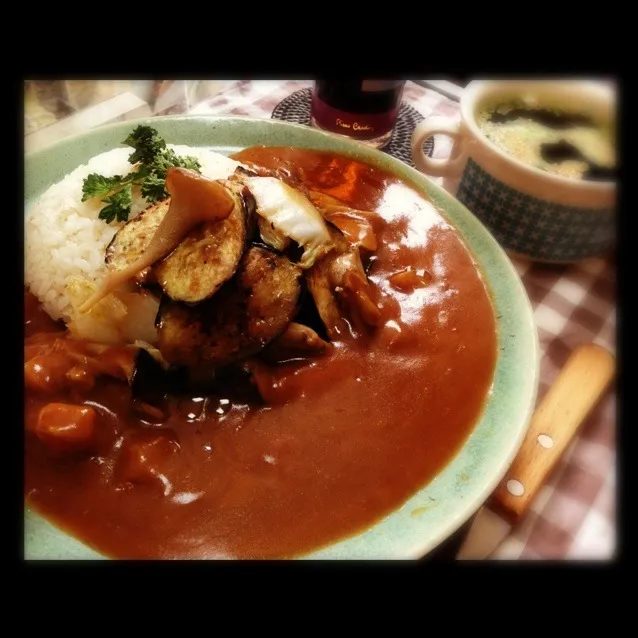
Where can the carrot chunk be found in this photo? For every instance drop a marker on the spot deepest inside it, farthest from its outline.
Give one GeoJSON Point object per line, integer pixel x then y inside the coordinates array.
{"type": "Point", "coordinates": [46, 372]}
{"type": "Point", "coordinates": [64, 427]}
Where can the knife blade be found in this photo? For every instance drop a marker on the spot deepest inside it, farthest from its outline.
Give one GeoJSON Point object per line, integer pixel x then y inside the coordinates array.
{"type": "Point", "coordinates": [577, 389]}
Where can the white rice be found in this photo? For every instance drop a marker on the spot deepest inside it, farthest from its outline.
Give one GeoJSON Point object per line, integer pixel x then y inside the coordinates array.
{"type": "Point", "coordinates": [64, 237]}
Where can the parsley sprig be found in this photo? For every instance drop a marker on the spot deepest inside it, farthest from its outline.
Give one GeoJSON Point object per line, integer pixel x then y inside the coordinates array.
{"type": "Point", "coordinates": [153, 160]}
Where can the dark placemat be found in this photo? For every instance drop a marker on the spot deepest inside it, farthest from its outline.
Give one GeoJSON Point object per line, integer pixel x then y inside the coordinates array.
{"type": "Point", "coordinates": [296, 108]}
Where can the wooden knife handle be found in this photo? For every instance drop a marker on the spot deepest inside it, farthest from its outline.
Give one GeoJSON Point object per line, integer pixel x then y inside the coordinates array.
{"type": "Point", "coordinates": [579, 385]}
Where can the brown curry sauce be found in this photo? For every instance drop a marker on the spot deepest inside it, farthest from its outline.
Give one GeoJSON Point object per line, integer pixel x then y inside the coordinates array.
{"type": "Point", "coordinates": [350, 436]}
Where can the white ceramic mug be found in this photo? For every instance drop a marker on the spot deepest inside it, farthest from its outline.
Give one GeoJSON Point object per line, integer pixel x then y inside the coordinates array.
{"type": "Point", "coordinates": [531, 212]}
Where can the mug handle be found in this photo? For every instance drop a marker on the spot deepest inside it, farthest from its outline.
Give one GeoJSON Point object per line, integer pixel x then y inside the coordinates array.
{"type": "Point", "coordinates": [433, 126]}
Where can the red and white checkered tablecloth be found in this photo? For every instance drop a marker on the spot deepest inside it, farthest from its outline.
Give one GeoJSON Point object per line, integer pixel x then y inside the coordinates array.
{"type": "Point", "coordinates": [574, 514]}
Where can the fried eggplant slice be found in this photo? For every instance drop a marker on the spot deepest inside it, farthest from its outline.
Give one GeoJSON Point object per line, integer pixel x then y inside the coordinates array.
{"type": "Point", "coordinates": [203, 261]}
{"type": "Point", "coordinates": [340, 288]}
{"type": "Point", "coordinates": [210, 254]}
{"type": "Point", "coordinates": [249, 312]}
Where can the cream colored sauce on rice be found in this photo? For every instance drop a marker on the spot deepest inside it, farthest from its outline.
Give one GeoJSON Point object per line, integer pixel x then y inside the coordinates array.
{"type": "Point", "coordinates": [65, 239]}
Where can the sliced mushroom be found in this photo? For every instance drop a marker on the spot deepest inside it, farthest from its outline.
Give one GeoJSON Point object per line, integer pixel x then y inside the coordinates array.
{"type": "Point", "coordinates": [298, 341]}
{"type": "Point", "coordinates": [340, 289]}
{"type": "Point", "coordinates": [358, 226]}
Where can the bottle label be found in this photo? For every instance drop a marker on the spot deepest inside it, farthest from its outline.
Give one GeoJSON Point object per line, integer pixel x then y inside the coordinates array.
{"type": "Point", "coordinates": [361, 126]}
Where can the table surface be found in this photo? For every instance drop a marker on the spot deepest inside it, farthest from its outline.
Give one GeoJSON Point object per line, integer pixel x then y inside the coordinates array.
{"type": "Point", "coordinates": [574, 514]}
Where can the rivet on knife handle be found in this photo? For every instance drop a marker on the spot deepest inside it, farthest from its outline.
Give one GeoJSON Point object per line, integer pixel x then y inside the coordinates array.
{"type": "Point", "coordinates": [570, 399]}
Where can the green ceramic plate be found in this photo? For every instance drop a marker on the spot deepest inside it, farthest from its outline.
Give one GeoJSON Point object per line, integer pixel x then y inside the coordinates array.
{"type": "Point", "coordinates": [440, 508]}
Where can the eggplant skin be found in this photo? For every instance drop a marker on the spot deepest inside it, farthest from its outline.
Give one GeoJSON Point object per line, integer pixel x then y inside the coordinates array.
{"type": "Point", "coordinates": [249, 312]}
{"type": "Point", "coordinates": [210, 254]}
